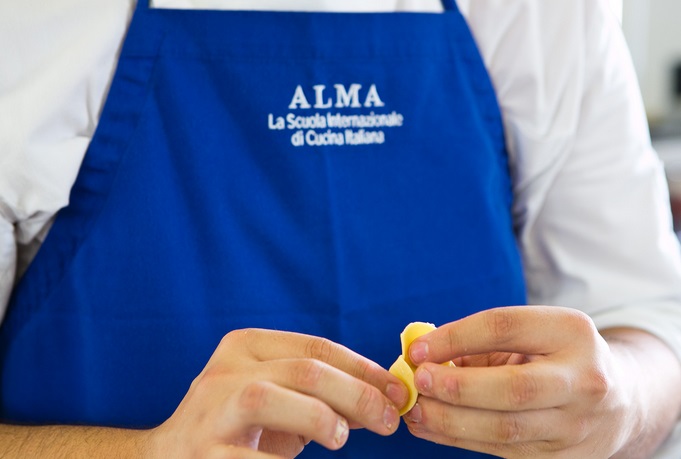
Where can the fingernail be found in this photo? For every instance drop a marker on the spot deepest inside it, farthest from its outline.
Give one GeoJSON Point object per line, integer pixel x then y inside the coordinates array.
{"type": "Point", "coordinates": [423, 380]}
{"type": "Point", "coordinates": [418, 352]}
{"type": "Point", "coordinates": [390, 416]}
{"type": "Point", "coordinates": [342, 431]}
{"type": "Point", "coordinates": [397, 393]}
{"type": "Point", "coordinates": [415, 414]}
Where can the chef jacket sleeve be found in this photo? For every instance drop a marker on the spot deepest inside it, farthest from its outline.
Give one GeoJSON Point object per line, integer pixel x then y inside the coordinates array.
{"type": "Point", "coordinates": [591, 202]}
{"type": "Point", "coordinates": [56, 62]}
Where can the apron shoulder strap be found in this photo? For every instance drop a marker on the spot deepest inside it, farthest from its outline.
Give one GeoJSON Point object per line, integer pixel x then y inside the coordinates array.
{"type": "Point", "coordinates": [449, 5]}
{"type": "Point", "coordinates": [143, 4]}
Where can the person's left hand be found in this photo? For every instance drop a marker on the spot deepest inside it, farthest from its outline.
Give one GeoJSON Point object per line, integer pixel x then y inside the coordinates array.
{"type": "Point", "coordinates": [529, 382]}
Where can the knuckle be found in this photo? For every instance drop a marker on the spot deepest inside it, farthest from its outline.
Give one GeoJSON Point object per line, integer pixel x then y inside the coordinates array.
{"type": "Point", "coordinates": [231, 337]}
{"type": "Point", "coordinates": [364, 370]}
{"type": "Point", "coordinates": [597, 383]}
{"type": "Point", "coordinates": [500, 324]}
{"type": "Point", "coordinates": [298, 446]}
{"type": "Point", "coordinates": [444, 422]}
{"type": "Point", "coordinates": [523, 389]}
{"type": "Point", "coordinates": [508, 429]}
{"type": "Point", "coordinates": [235, 338]}
{"type": "Point", "coordinates": [320, 419]}
{"type": "Point", "coordinates": [253, 397]}
{"type": "Point", "coordinates": [308, 373]}
{"type": "Point", "coordinates": [227, 340]}
{"type": "Point", "coordinates": [452, 387]}
{"type": "Point", "coordinates": [453, 345]}
{"type": "Point", "coordinates": [582, 325]}
{"type": "Point", "coordinates": [208, 375]}
{"type": "Point", "coordinates": [320, 349]}
{"type": "Point", "coordinates": [367, 400]}
{"type": "Point", "coordinates": [582, 320]}
{"type": "Point", "coordinates": [208, 378]}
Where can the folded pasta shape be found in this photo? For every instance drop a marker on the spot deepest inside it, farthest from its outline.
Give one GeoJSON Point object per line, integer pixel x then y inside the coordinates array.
{"type": "Point", "coordinates": [403, 368]}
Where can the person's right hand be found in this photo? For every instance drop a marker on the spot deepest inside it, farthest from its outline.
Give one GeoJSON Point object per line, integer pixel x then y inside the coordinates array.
{"type": "Point", "coordinates": [265, 394]}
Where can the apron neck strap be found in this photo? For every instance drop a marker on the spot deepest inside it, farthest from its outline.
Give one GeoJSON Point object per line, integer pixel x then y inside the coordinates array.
{"type": "Point", "coordinates": [449, 5]}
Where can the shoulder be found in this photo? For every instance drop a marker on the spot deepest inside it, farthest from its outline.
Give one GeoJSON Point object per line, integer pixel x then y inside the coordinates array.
{"type": "Point", "coordinates": [543, 43]}
{"type": "Point", "coordinates": [55, 67]}
{"type": "Point", "coordinates": [544, 58]}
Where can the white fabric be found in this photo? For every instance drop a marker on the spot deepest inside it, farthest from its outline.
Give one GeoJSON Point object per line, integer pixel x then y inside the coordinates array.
{"type": "Point", "coordinates": [305, 5]}
{"type": "Point", "coordinates": [591, 206]}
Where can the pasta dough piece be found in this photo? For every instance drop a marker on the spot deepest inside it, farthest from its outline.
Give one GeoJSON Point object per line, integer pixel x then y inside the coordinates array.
{"type": "Point", "coordinates": [410, 333]}
{"type": "Point", "coordinates": [403, 368]}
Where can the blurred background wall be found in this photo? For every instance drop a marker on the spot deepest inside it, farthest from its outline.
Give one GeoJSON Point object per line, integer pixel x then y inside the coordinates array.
{"type": "Point", "coordinates": [653, 31]}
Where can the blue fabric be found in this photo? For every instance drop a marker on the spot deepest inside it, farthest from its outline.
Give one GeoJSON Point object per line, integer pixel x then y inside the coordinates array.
{"type": "Point", "coordinates": [197, 212]}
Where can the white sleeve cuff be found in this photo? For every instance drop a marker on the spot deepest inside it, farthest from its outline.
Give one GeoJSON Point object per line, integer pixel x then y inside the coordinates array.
{"type": "Point", "coordinates": [662, 319]}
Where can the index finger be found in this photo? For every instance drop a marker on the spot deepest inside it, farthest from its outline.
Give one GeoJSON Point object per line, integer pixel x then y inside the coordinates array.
{"type": "Point", "coordinates": [275, 345]}
{"type": "Point", "coordinates": [531, 330]}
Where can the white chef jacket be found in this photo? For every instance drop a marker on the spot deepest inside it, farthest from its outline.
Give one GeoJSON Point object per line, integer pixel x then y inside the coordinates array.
{"type": "Point", "coordinates": [591, 203]}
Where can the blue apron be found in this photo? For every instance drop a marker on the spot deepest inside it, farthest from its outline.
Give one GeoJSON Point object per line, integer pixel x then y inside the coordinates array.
{"type": "Point", "coordinates": [326, 173]}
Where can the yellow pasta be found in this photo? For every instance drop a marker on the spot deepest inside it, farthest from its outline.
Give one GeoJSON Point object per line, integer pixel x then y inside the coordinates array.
{"type": "Point", "coordinates": [403, 368]}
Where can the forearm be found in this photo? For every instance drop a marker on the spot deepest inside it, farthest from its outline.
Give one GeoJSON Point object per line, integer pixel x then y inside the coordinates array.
{"type": "Point", "coordinates": [654, 375]}
{"type": "Point", "coordinates": [72, 442]}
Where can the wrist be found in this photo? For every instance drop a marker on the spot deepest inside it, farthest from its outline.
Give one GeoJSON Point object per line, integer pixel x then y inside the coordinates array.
{"type": "Point", "coordinates": [157, 441]}
{"type": "Point", "coordinates": [649, 375]}
{"type": "Point", "coordinates": [632, 412]}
